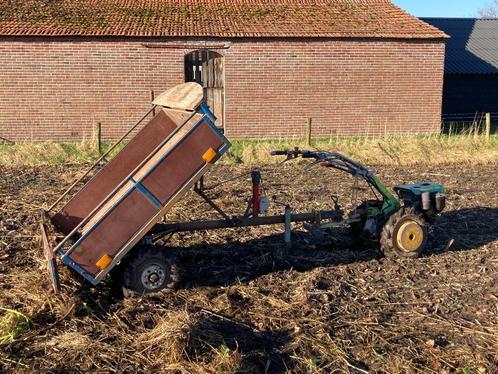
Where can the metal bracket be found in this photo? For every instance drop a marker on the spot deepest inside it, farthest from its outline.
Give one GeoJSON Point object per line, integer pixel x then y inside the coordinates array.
{"type": "Point", "coordinates": [199, 190]}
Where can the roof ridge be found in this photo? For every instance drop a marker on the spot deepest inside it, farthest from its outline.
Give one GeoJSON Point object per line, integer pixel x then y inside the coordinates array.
{"type": "Point", "coordinates": [215, 18]}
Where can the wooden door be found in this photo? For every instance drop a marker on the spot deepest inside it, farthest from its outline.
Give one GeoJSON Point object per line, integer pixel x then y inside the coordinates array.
{"type": "Point", "coordinates": [207, 69]}
{"type": "Point", "coordinates": [212, 81]}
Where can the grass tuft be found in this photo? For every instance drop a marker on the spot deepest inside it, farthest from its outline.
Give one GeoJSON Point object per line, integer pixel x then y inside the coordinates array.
{"type": "Point", "coordinates": [48, 153]}
{"type": "Point", "coordinates": [13, 324]}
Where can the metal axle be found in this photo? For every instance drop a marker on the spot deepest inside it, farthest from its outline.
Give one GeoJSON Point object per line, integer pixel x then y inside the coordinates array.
{"type": "Point", "coordinates": [161, 230]}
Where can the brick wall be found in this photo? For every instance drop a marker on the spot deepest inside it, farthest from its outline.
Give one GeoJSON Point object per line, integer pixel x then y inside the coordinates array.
{"type": "Point", "coordinates": [361, 87]}
{"type": "Point", "coordinates": [59, 88]}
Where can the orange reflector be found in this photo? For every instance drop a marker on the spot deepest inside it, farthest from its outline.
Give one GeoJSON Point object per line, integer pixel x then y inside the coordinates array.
{"type": "Point", "coordinates": [104, 262]}
{"type": "Point", "coordinates": [209, 155]}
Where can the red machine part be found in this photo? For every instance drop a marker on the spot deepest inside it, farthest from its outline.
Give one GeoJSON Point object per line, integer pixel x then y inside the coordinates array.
{"type": "Point", "coordinates": [256, 191]}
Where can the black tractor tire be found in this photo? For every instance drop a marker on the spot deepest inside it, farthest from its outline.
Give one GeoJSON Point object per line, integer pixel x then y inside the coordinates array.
{"type": "Point", "coordinates": [392, 233]}
{"type": "Point", "coordinates": [149, 270]}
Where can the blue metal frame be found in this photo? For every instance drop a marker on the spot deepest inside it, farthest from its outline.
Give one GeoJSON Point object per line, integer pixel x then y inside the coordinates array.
{"type": "Point", "coordinates": [211, 120]}
{"type": "Point", "coordinates": [129, 179]}
{"type": "Point", "coordinates": [208, 118]}
{"type": "Point", "coordinates": [89, 277]}
{"type": "Point", "coordinates": [147, 193]}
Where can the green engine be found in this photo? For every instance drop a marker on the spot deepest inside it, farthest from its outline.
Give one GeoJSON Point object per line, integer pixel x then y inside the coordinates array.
{"type": "Point", "coordinates": [429, 198]}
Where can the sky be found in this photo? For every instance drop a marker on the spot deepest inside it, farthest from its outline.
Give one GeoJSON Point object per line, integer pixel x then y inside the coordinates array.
{"type": "Point", "coordinates": [442, 8]}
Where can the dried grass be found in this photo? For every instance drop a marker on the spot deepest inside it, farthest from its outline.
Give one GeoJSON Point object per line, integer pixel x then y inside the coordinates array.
{"type": "Point", "coordinates": [387, 150]}
{"type": "Point", "coordinates": [167, 342]}
{"type": "Point", "coordinates": [391, 150]}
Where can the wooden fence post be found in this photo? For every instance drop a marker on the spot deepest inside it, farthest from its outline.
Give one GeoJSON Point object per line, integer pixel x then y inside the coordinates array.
{"type": "Point", "coordinates": [308, 135]}
{"type": "Point", "coordinates": [98, 138]}
{"type": "Point", "coordinates": [488, 126]}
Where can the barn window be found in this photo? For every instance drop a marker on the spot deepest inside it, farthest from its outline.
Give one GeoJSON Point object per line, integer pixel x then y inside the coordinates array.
{"type": "Point", "coordinates": [206, 68]}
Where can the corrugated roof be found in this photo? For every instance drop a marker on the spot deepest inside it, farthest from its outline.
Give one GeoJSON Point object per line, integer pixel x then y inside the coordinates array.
{"type": "Point", "coordinates": [217, 18]}
{"type": "Point", "coordinates": [473, 44]}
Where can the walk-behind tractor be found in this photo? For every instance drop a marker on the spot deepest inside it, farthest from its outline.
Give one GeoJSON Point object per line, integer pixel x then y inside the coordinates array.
{"type": "Point", "coordinates": [399, 226]}
{"type": "Point", "coordinates": [114, 220]}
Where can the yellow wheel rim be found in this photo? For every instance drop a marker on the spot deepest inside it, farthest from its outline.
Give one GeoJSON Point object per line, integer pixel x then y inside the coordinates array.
{"type": "Point", "coordinates": [410, 236]}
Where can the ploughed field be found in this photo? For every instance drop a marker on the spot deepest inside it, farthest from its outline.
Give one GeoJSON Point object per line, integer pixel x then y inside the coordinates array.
{"type": "Point", "coordinates": [327, 306]}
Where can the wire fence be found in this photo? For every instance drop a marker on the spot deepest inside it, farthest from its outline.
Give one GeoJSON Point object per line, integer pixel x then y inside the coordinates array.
{"type": "Point", "coordinates": [467, 123]}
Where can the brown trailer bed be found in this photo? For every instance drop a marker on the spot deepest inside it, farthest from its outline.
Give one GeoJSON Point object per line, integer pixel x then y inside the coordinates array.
{"type": "Point", "coordinates": [127, 197]}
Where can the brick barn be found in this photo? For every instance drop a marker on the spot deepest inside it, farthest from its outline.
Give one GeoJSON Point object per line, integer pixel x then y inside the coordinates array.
{"type": "Point", "coordinates": [355, 66]}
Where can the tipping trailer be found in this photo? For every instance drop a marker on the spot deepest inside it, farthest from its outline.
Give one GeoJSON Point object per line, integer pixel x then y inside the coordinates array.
{"type": "Point", "coordinates": [116, 208]}
{"type": "Point", "coordinates": [114, 219]}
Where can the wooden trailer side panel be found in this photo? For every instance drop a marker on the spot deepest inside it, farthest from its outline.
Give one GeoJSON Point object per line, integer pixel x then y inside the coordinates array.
{"type": "Point", "coordinates": [182, 163]}
{"type": "Point", "coordinates": [104, 182]}
{"type": "Point", "coordinates": [149, 165]}
{"type": "Point", "coordinates": [124, 220]}
{"type": "Point", "coordinates": [137, 209]}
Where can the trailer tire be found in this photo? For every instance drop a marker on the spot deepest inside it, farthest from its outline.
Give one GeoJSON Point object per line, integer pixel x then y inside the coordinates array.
{"type": "Point", "coordinates": [151, 269]}
{"type": "Point", "coordinates": [405, 234]}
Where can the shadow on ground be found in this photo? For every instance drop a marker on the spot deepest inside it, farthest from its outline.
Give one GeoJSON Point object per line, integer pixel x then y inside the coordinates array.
{"type": "Point", "coordinates": [470, 228]}
{"type": "Point", "coordinates": [262, 351]}
{"type": "Point", "coordinates": [235, 262]}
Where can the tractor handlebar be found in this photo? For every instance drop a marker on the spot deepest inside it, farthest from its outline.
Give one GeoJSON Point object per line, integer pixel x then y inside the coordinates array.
{"type": "Point", "coordinates": [340, 162]}
{"type": "Point", "coordinates": [279, 153]}
{"type": "Point", "coordinates": [308, 154]}
{"type": "Point", "coordinates": [327, 159]}
{"type": "Point", "coordinates": [295, 153]}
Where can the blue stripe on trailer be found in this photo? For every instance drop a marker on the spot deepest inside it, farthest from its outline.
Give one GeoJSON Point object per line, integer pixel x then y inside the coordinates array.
{"type": "Point", "coordinates": [94, 226]}
{"type": "Point", "coordinates": [83, 222]}
{"type": "Point", "coordinates": [147, 193]}
{"type": "Point", "coordinates": [85, 274]}
{"type": "Point", "coordinates": [205, 109]}
{"type": "Point", "coordinates": [210, 119]}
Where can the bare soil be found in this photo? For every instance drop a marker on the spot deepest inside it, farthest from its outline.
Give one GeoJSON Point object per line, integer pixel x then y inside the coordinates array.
{"type": "Point", "coordinates": [328, 306]}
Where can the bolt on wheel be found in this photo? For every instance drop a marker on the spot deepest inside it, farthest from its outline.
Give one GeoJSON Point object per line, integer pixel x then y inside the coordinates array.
{"type": "Point", "coordinates": [153, 276]}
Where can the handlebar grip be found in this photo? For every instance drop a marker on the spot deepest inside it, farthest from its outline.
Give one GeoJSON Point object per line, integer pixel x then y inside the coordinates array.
{"type": "Point", "coordinates": [279, 153]}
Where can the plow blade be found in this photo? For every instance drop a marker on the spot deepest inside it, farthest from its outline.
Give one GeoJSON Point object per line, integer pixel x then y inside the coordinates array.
{"type": "Point", "coordinates": [50, 257]}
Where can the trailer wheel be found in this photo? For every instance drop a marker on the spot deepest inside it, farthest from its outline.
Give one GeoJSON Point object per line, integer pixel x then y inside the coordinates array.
{"type": "Point", "coordinates": [150, 269]}
{"type": "Point", "coordinates": [405, 234]}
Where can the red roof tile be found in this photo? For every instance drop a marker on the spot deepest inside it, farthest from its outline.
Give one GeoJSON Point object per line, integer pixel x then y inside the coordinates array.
{"type": "Point", "coordinates": [217, 18]}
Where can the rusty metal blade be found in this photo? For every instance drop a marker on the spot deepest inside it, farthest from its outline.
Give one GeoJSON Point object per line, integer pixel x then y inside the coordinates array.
{"type": "Point", "coordinates": [50, 256]}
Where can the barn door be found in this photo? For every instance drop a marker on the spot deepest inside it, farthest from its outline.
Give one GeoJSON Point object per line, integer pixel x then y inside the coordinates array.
{"type": "Point", "coordinates": [206, 68]}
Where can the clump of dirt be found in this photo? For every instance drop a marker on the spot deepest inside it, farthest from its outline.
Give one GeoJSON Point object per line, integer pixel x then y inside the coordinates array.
{"type": "Point", "coordinates": [328, 306]}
